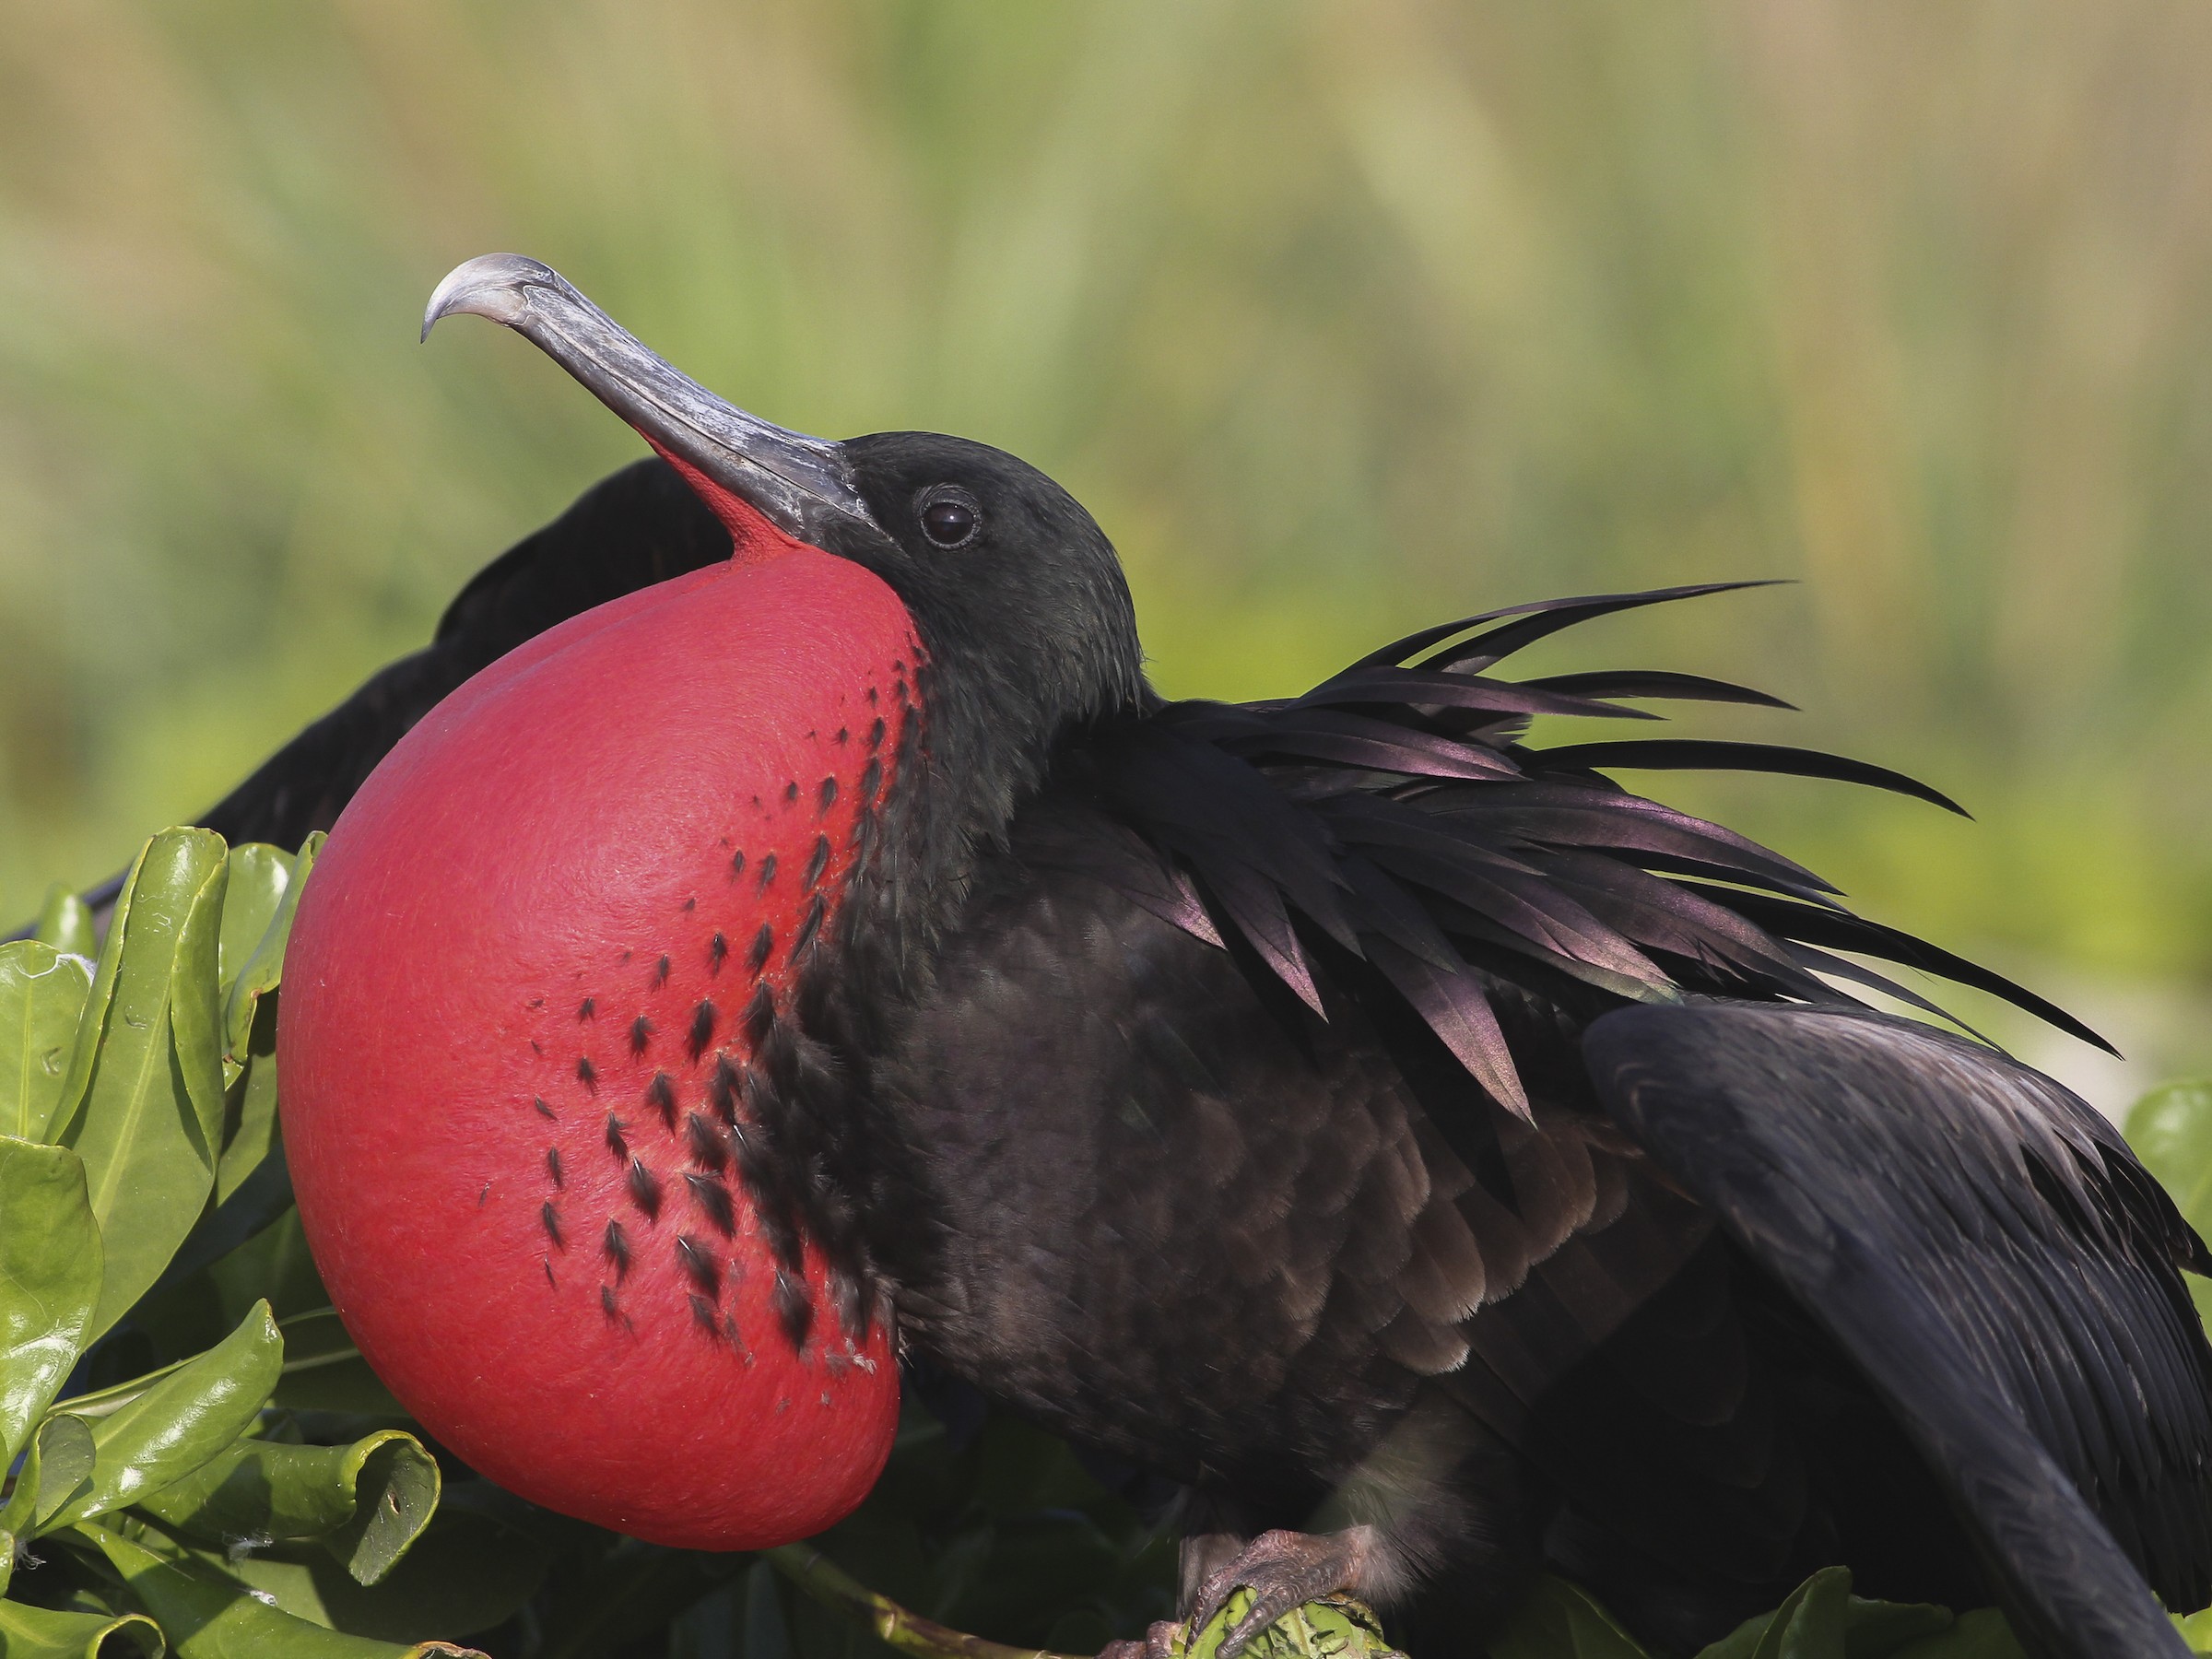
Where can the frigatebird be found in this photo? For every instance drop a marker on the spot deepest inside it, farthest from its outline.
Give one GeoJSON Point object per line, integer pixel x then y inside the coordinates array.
{"type": "Point", "coordinates": [776, 919]}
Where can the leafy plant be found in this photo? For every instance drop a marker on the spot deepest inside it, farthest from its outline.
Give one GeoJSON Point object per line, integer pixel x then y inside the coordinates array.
{"type": "Point", "coordinates": [201, 1463]}
{"type": "Point", "coordinates": [137, 1098]}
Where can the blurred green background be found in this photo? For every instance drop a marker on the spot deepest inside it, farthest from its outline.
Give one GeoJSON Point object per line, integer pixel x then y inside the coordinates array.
{"type": "Point", "coordinates": [1342, 317]}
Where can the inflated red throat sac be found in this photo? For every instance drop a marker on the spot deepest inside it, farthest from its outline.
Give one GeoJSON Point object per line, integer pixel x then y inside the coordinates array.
{"type": "Point", "coordinates": [518, 1012]}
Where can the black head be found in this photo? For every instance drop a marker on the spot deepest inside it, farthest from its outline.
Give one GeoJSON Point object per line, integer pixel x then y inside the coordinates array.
{"type": "Point", "coordinates": [1017, 595]}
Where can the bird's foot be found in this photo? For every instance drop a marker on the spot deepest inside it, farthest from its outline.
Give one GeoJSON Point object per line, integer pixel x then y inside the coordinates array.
{"type": "Point", "coordinates": [1282, 1569]}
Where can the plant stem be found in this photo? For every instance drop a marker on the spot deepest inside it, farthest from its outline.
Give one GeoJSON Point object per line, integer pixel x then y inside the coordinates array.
{"type": "Point", "coordinates": [895, 1626]}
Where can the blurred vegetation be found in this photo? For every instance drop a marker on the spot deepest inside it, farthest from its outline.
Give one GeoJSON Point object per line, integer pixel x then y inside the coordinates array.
{"type": "Point", "coordinates": [1341, 316]}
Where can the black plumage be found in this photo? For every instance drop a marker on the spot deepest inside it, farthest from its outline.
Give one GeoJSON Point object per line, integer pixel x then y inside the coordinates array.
{"type": "Point", "coordinates": [1401, 1133]}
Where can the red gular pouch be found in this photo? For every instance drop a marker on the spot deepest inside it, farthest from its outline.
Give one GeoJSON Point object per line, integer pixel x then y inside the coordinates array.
{"type": "Point", "coordinates": [520, 1004]}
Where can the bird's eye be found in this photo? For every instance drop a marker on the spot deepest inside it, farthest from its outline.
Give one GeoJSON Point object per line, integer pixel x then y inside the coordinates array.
{"type": "Point", "coordinates": [949, 516]}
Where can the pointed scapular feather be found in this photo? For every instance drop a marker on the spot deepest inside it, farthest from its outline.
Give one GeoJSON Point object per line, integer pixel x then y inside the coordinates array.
{"type": "Point", "coordinates": [1556, 813]}
{"type": "Point", "coordinates": [1788, 920]}
{"type": "Point", "coordinates": [1545, 620]}
{"type": "Point", "coordinates": [1858, 973]}
{"type": "Point", "coordinates": [1669, 917]}
{"type": "Point", "coordinates": [1655, 682]}
{"type": "Point", "coordinates": [1376, 745]}
{"type": "Point", "coordinates": [1392, 809]}
{"type": "Point", "coordinates": [1255, 906]}
{"type": "Point", "coordinates": [1387, 910]}
{"type": "Point", "coordinates": [1116, 856]}
{"type": "Point", "coordinates": [1523, 904]}
{"type": "Point", "coordinates": [1455, 1007]}
{"type": "Point", "coordinates": [1465, 927]}
{"type": "Point", "coordinates": [1697, 754]}
{"type": "Point", "coordinates": [1546, 616]}
{"type": "Point", "coordinates": [1668, 864]}
{"type": "Point", "coordinates": [1214, 807]}
{"type": "Point", "coordinates": [1420, 686]}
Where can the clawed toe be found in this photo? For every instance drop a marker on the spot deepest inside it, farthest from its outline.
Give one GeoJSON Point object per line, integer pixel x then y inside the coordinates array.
{"type": "Point", "coordinates": [1283, 1570]}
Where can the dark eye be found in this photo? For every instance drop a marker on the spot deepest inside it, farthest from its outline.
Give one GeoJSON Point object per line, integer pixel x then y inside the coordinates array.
{"type": "Point", "coordinates": [949, 517]}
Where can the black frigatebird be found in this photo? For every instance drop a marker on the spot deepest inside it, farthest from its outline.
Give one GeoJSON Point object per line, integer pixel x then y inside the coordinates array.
{"type": "Point", "coordinates": [806, 932]}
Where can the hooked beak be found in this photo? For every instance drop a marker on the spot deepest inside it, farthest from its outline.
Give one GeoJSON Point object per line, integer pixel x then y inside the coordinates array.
{"type": "Point", "coordinates": [803, 485]}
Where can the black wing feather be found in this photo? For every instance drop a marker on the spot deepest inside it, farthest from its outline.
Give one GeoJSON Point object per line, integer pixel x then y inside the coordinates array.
{"type": "Point", "coordinates": [638, 526]}
{"type": "Point", "coordinates": [1975, 1237]}
{"type": "Point", "coordinates": [1676, 754]}
{"type": "Point", "coordinates": [1655, 682]}
{"type": "Point", "coordinates": [1418, 772]}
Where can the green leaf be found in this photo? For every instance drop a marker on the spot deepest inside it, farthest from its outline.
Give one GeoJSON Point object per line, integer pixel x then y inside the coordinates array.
{"type": "Point", "coordinates": [43, 1633]}
{"type": "Point", "coordinates": [253, 1129]}
{"type": "Point", "coordinates": [50, 1278]}
{"type": "Point", "coordinates": [65, 923]}
{"type": "Point", "coordinates": [182, 1421]}
{"type": "Point", "coordinates": [98, 1001]}
{"type": "Point", "coordinates": [259, 875]}
{"type": "Point", "coordinates": [144, 1104]}
{"type": "Point", "coordinates": [1822, 1620]}
{"type": "Point", "coordinates": [209, 1615]}
{"type": "Point", "coordinates": [195, 1006]}
{"type": "Point", "coordinates": [472, 1571]}
{"type": "Point", "coordinates": [1808, 1624]}
{"type": "Point", "coordinates": [54, 1470]}
{"type": "Point", "coordinates": [263, 970]}
{"type": "Point", "coordinates": [43, 993]}
{"type": "Point", "coordinates": [397, 1483]}
{"type": "Point", "coordinates": [57, 1465]}
{"type": "Point", "coordinates": [1559, 1620]}
{"type": "Point", "coordinates": [367, 1502]}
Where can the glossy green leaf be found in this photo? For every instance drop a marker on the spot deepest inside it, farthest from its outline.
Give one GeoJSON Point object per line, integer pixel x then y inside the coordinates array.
{"type": "Point", "coordinates": [397, 1484]}
{"type": "Point", "coordinates": [473, 1569]}
{"type": "Point", "coordinates": [182, 1421]}
{"type": "Point", "coordinates": [1822, 1620]}
{"type": "Point", "coordinates": [53, 1470]}
{"type": "Point", "coordinates": [263, 970]}
{"type": "Point", "coordinates": [195, 1005]}
{"type": "Point", "coordinates": [144, 1104]}
{"type": "Point", "coordinates": [1808, 1624]}
{"type": "Point", "coordinates": [50, 1279]}
{"type": "Point", "coordinates": [65, 923]}
{"type": "Point", "coordinates": [206, 1615]}
{"type": "Point", "coordinates": [259, 875]}
{"type": "Point", "coordinates": [91, 1027]}
{"type": "Point", "coordinates": [43, 1633]}
{"type": "Point", "coordinates": [367, 1502]}
{"type": "Point", "coordinates": [43, 993]}
{"type": "Point", "coordinates": [56, 1468]}
{"type": "Point", "coordinates": [250, 1130]}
